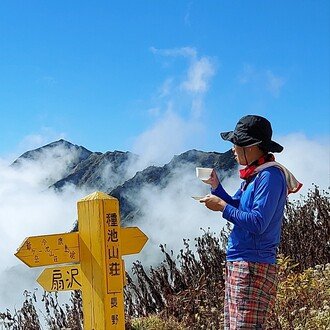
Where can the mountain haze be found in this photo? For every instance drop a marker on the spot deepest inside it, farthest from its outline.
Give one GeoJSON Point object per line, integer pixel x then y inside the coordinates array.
{"type": "Point", "coordinates": [55, 148]}
{"type": "Point", "coordinates": [160, 176]}
{"type": "Point", "coordinates": [112, 172]}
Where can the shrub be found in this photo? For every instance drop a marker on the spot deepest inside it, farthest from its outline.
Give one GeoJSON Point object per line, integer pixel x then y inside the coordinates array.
{"type": "Point", "coordinates": [306, 230]}
{"type": "Point", "coordinates": [303, 299]}
{"type": "Point", "coordinates": [153, 323]}
{"type": "Point", "coordinates": [187, 291]}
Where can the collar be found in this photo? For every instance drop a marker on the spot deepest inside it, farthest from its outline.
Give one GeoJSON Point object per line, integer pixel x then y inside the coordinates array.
{"type": "Point", "coordinates": [249, 171]}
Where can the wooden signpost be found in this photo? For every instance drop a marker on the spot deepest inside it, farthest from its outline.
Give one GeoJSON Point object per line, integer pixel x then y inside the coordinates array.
{"type": "Point", "coordinates": [61, 278]}
{"type": "Point", "coordinates": [47, 250]}
{"type": "Point", "coordinates": [96, 252]}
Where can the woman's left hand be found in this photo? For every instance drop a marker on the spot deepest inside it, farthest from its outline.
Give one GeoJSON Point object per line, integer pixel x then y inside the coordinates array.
{"type": "Point", "coordinates": [213, 203]}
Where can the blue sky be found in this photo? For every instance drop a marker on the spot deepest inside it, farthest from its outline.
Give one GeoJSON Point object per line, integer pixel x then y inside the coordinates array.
{"type": "Point", "coordinates": [122, 75]}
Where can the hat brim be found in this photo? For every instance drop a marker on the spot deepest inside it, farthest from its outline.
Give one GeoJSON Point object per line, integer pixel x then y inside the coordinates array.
{"type": "Point", "coordinates": [242, 140]}
{"type": "Point", "coordinates": [273, 146]}
{"type": "Point", "coordinates": [270, 146]}
{"type": "Point", "coordinates": [228, 136]}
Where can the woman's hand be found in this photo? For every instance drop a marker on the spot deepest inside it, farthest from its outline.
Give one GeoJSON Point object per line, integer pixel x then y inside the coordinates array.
{"type": "Point", "coordinates": [212, 180]}
{"type": "Point", "coordinates": [214, 203]}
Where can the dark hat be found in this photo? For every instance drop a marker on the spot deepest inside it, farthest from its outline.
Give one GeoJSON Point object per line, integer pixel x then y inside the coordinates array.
{"type": "Point", "coordinates": [251, 130]}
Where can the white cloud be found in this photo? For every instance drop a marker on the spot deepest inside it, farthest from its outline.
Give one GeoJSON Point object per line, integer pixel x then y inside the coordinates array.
{"type": "Point", "coordinates": [189, 52]}
{"type": "Point", "coordinates": [308, 160]}
{"type": "Point", "coordinates": [166, 88]}
{"type": "Point", "coordinates": [167, 136]}
{"type": "Point", "coordinates": [154, 112]}
{"type": "Point", "coordinates": [46, 135]}
{"type": "Point", "coordinates": [171, 214]}
{"type": "Point", "coordinates": [247, 74]}
{"type": "Point", "coordinates": [28, 208]}
{"type": "Point", "coordinates": [199, 74]}
{"type": "Point", "coordinates": [266, 79]}
{"type": "Point", "coordinates": [187, 15]}
{"type": "Point", "coordinates": [53, 163]}
{"type": "Point", "coordinates": [187, 90]}
{"type": "Point", "coordinates": [178, 113]}
{"type": "Point", "coordinates": [274, 83]}
{"type": "Point", "coordinates": [197, 108]}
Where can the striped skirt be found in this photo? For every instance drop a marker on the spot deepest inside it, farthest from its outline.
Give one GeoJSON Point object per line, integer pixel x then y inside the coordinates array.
{"type": "Point", "coordinates": [250, 293]}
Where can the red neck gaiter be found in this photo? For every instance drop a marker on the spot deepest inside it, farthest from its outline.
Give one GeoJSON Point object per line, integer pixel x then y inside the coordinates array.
{"type": "Point", "coordinates": [248, 171]}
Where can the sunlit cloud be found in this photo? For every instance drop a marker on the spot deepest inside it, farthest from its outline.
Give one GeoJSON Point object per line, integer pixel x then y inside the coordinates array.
{"type": "Point", "coordinates": [166, 88]}
{"type": "Point", "coordinates": [154, 112]}
{"type": "Point", "coordinates": [199, 74]}
{"type": "Point", "coordinates": [308, 159]}
{"type": "Point", "coordinates": [274, 83]}
{"type": "Point", "coordinates": [200, 70]}
{"type": "Point", "coordinates": [187, 16]}
{"type": "Point", "coordinates": [189, 52]}
{"type": "Point", "coordinates": [247, 75]}
{"type": "Point", "coordinates": [177, 108]}
{"type": "Point", "coordinates": [28, 208]}
{"type": "Point", "coordinates": [185, 92]}
{"type": "Point", "coordinates": [44, 136]}
{"type": "Point", "coordinates": [166, 137]}
{"type": "Point", "coordinates": [266, 79]}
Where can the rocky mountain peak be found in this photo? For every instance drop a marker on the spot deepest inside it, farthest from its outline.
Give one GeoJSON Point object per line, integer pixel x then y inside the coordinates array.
{"type": "Point", "coordinates": [56, 149]}
{"type": "Point", "coordinates": [111, 171]}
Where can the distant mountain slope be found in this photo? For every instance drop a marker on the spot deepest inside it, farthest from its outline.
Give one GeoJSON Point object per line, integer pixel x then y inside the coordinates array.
{"type": "Point", "coordinates": [160, 176]}
{"type": "Point", "coordinates": [56, 148]}
{"type": "Point", "coordinates": [53, 161]}
{"type": "Point", "coordinates": [99, 171]}
{"type": "Point", "coordinates": [111, 171]}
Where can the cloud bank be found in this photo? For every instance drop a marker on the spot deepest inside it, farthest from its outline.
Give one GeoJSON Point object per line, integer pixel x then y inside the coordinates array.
{"type": "Point", "coordinates": [308, 159]}
{"type": "Point", "coordinates": [28, 208]}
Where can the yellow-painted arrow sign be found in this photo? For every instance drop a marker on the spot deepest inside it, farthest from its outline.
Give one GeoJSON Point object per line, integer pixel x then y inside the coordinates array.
{"type": "Point", "coordinates": [46, 250]}
{"type": "Point", "coordinates": [61, 278]}
{"type": "Point", "coordinates": [133, 240]}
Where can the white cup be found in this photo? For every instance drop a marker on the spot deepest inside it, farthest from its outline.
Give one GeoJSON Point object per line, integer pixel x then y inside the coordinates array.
{"type": "Point", "coordinates": [203, 173]}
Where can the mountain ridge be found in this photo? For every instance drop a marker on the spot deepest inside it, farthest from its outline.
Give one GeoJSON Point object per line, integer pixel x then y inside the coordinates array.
{"type": "Point", "coordinates": [110, 171]}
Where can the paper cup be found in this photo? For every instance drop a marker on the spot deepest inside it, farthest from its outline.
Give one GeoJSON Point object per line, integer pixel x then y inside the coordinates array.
{"type": "Point", "coordinates": [203, 173]}
{"type": "Point", "coordinates": [197, 198]}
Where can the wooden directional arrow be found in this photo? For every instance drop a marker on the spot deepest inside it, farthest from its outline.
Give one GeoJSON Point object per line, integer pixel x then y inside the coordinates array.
{"type": "Point", "coordinates": [46, 250]}
{"type": "Point", "coordinates": [133, 240]}
{"type": "Point", "coordinates": [61, 278]}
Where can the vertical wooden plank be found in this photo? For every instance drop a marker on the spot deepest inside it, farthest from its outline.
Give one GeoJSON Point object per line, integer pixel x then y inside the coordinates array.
{"type": "Point", "coordinates": [101, 274]}
{"type": "Point", "coordinates": [91, 234]}
{"type": "Point", "coordinates": [115, 318]}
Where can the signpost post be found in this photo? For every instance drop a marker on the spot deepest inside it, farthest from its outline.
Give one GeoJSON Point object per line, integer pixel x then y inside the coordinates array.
{"type": "Point", "coordinates": [96, 252]}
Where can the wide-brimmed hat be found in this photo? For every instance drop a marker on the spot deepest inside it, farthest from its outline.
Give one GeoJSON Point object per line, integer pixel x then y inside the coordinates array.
{"type": "Point", "coordinates": [253, 130]}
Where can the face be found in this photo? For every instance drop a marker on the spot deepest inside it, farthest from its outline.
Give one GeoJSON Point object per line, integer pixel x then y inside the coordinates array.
{"type": "Point", "coordinates": [239, 155]}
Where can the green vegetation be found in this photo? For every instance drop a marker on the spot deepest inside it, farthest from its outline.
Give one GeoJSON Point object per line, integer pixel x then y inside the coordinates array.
{"type": "Point", "coordinates": [186, 292]}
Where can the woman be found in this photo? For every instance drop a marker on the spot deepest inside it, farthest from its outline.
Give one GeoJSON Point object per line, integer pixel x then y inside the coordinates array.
{"type": "Point", "coordinates": [256, 212]}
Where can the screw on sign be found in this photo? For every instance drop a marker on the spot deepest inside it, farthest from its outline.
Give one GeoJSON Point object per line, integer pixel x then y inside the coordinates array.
{"type": "Point", "coordinates": [95, 253]}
